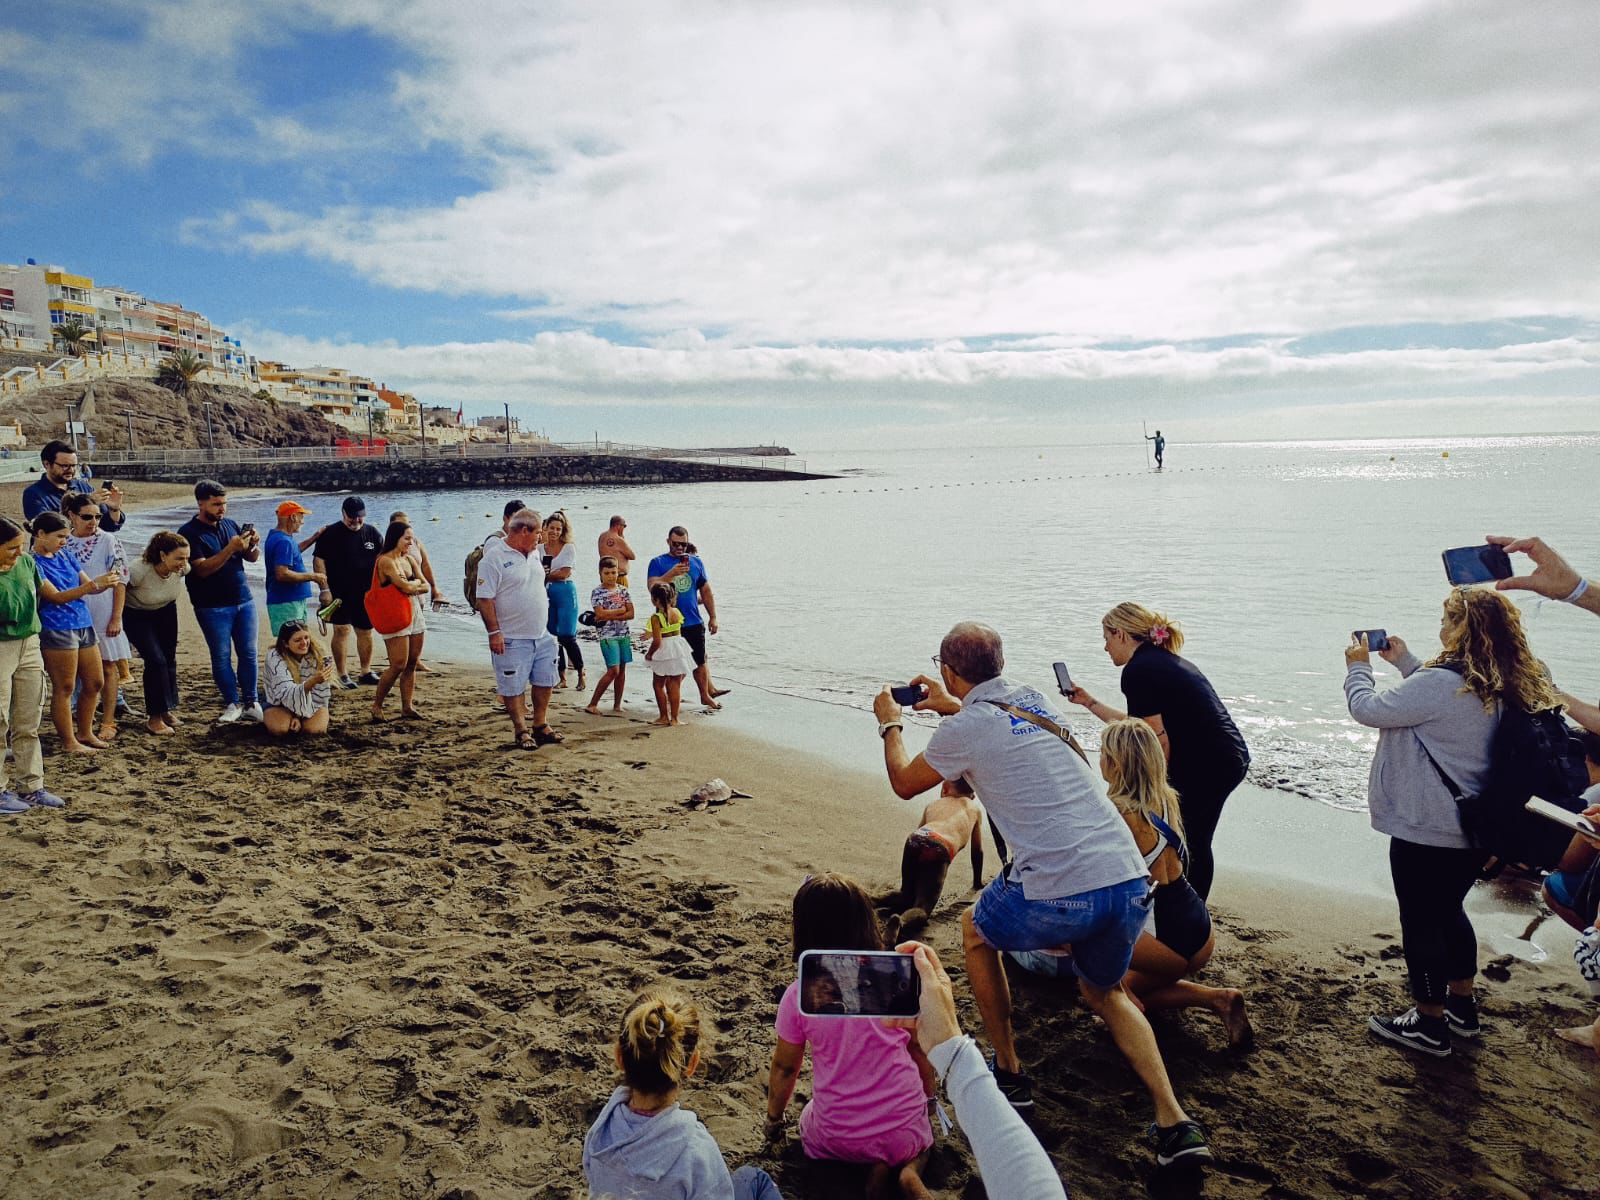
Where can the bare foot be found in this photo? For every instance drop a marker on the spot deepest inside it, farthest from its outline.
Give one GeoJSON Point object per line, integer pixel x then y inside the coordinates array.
{"type": "Point", "coordinates": [77, 748]}
{"type": "Point", "coordinates": [662, 721]}
{"type": "Point", "coordinates": [674, 721]}
{"type": "Point", "coordinates": [592, 708]}
{"type": "Point", "coordinates": [172, 720]}
{"type": "Point", "coordinates": [108, 733]}
{"type": "Point", "coordinates": [377, 715]}
{"type": "Point", "coordinates": [616, 709]}
{"type": "Point", "coordinates": [1583, 1035]}
{"type": "Point", "coordinates": [424, 669]}
{"type": "Point", "coordinates": [93, 741]}
{"type": "Point", "coordinates": [562, 682]}
{"type": "Point", "coordinates": [583, 682]}
{"type": "Point", "coordinates": [711, 705]}
{"type": "Point", "coordinates": [1236, 1021]}
{"type": "Point", "coordinates": [160, 728]}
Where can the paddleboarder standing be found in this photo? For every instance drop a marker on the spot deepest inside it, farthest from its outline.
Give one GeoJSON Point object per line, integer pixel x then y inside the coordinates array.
{"type": "Point", "coordinates": [1161, 447]}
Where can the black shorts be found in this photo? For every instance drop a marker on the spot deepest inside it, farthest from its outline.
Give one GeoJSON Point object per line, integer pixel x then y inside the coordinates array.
{"type": "Point", "coordinates": [352, 610]}
{"type": "Point", "coordinates": [695, 635]}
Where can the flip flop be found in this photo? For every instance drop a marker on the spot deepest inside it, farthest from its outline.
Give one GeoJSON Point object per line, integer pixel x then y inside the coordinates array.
{"type": "Point", "coordinates": [546, 736]}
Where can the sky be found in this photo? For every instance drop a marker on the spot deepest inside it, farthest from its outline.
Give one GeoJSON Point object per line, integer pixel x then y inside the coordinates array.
{"type": "Point", "coordinates": [685, 222]}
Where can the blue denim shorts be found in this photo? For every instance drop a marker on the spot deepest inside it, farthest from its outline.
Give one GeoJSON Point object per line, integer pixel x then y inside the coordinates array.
{"type": "Point", "coordinates": [1101, 926]}
{"type": "Point", "coordinates": [526, 660]}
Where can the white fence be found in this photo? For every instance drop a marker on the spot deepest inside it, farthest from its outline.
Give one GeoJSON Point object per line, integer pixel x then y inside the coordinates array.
{"type": "Point", "coordinates": [103, 365]}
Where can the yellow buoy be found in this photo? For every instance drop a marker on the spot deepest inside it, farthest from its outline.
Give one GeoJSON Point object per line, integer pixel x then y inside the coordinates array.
{"type": "Point", "coordinates": [1446, 454]}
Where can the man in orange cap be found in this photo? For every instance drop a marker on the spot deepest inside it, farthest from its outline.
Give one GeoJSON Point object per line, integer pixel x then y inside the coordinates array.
{"type": "Point", "coordinates": [288, 581]}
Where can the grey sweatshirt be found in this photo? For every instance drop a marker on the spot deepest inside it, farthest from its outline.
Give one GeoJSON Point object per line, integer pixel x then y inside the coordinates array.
{"type": "Point", "coordinates": [668, 1156]}
{"type": "Point", "coordinates": [1405, 795]}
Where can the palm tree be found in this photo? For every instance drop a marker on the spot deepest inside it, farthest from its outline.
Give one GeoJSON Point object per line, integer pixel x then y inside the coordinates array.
{"type": "Point", "coordinates": [72, 334]}
{"type": "Point", "coordinates": [178, 371]}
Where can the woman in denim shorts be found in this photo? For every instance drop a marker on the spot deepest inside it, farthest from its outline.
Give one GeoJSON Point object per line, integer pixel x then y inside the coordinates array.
{"type": "Point", "coordinates": [66, 634]}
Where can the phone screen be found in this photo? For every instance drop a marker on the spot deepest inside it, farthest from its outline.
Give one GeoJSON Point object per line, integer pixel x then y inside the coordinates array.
{"type": "Point", "coordinates": [859, 983]}
{"type": "Point", "coordinates": [908, 693]}
{"type": "Point", "coordinates": [1063, 680]}
{"type": "Point", "coordinates": [1376, 639]}
{"type": "Point", "coordinates": [1476, 564]}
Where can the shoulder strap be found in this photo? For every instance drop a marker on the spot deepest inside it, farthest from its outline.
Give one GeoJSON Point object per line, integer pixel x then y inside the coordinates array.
{"type": "Point", "coordinates": [1450, 784]}
{"type": "Point", "coordinates": [1044, 723]}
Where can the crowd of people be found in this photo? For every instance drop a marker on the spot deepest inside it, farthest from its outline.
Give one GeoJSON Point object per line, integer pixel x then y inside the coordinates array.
{"type": "Point", "coordinates": [81, 611]}
{"type": "Point", "coordinates": [1099, 882]}
{"type": "Point", "coordinates": [1106, 862]}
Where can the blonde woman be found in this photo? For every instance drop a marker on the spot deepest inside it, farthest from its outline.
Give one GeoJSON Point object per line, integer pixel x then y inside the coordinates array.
{"type": "Point", "coordinates": [560, 557]}
{"type": "Point", "coordinates": [1206, 755]}
{"type": "Point", "coordinates": [1180, 939]}
{"type": "Point", "coordinates": [298, 680]}
{"type": "Point", "coordinates": [1439, 720]}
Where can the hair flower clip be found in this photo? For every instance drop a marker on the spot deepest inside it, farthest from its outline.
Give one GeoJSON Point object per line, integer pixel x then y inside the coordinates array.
{"type": "Point", "coordinates": [1159, 635]}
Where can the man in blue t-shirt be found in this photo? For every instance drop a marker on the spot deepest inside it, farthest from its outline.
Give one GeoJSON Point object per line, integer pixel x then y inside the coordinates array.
{"type": "Point", "coordinates": [680, 568]}
{"type": "Point", "coordinates": [223, 607]}
{"type": "Point", "coordinates": [288, 581]}
{"type": "Point", "coordinates": [60, 477]}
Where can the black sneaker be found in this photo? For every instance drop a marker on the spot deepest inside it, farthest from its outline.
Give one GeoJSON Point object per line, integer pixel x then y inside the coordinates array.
{"type": "Point", "coordinates": [1431, 1035]}
{"type": "Point", "coordinates": [368, 677]}
{"type": "Point", "coordinates": [1461, 1015]}
{"type": "Point", "coordinates": [1184, 1142]}
{"type": "Point", "coordinates": [1014, 1086]}
{"type": "Point", "coordinates": [347, 683]}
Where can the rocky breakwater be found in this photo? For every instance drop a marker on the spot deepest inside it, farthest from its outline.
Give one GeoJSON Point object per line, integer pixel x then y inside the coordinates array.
{"type": "Point", "coordinates": [450, 471]}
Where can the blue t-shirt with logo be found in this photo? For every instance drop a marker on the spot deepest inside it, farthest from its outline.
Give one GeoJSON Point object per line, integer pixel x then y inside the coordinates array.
{"type": "Point", "coordinates": [281, 550]}
{"type": "Point", "coordinates": [688, 586]}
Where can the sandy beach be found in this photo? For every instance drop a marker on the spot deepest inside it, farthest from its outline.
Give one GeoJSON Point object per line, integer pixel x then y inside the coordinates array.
{"type": "Point", "coordinates": [390, 962]}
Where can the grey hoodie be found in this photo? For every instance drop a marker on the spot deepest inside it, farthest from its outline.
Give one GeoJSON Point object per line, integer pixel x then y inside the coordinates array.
{"type": "Point", "coordinates": [668, 1156]}
{"type": "Point", "coordinates": [1405, 795]}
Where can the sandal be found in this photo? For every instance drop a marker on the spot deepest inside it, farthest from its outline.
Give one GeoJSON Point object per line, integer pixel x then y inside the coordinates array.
{"type": "Point", "coordinates": [546, 736]}
{"type": "Point", "coordinates": [526, 740]}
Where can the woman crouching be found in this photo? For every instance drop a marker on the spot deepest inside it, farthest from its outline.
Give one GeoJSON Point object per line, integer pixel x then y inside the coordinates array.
{"type": "Point", "coordinates": [298, 677]}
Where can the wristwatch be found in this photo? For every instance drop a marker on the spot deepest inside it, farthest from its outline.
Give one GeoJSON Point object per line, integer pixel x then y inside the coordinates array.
{"type": "Point", "coordinates": [885, 726]}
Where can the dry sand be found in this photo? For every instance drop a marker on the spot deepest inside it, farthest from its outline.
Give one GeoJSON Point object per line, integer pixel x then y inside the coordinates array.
{"type": "Point", "coordinates": [390, 963]}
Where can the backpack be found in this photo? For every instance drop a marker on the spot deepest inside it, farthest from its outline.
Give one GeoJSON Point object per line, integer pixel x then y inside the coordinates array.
{"type": "Point", "coordinates": [1531, 754]}
{"type": "Point", "coordinates": [469, 581]}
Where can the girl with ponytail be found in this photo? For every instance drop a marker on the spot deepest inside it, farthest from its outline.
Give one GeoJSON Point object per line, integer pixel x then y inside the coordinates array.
{"type": "Point", "coordinates": [645, 1144]}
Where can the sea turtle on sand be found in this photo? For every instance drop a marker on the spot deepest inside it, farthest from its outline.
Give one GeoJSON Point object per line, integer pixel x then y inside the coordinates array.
{"type": "Point", "coordinates": [712, 793]}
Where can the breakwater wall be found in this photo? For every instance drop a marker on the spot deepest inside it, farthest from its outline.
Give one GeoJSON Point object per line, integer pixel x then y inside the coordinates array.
{"type": "Point", "coordinates": [449, 471]}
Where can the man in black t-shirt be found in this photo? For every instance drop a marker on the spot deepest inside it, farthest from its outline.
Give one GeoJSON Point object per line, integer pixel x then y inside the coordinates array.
{"type": "Point", "coordinates": [345, 552]}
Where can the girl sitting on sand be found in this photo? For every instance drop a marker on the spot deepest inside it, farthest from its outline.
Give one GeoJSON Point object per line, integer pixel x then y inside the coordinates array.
{"type": "Point", "coordinates": [668, 656]}
{"type": "Point", "coordinates": [1178, 939]}
{"type": "Point", "coordinates": [298, 677]}
{"type": "Point", "coordinates": [643, 1143]}
{"type": "Point", "coordinates": [870, 1084]}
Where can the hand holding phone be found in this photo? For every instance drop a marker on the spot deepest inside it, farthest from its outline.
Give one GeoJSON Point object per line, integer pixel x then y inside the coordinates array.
{"type": "Point", "coordinates": [1376, 639]}
{"type": "Point", "coordinates": [1476, 564]}
{"type": "Point", "coordinates": [1554, 812]}
{"type": "Point", "coordinates": [859, 983]}
{"type": "Point", "coordinates": [907, 694]}
{"type": "Point", "coordinates": [1063, 679]}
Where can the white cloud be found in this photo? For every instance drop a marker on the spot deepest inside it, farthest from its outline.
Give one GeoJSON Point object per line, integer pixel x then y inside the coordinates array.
{"type": "Point", "coordinates": [890, 172]}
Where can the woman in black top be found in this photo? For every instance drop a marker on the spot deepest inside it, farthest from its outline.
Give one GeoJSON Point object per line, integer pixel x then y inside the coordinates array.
{"type": "Point", "coordinates": [1206, 756]}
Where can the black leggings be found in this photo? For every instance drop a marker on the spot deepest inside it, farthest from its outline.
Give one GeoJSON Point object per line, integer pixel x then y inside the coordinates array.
{"type": "Point", "coordinates": [155, 636]}
{"type": "Point", "coordinates": [1201, 805]}
{"type": "Point", "coordinates": [567, 652]}
{"type": "Point", "coordinates": [1431, 883]}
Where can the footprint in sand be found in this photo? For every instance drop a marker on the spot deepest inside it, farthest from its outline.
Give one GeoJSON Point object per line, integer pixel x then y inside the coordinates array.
{"type": "Point", "coordinates": [242, 1136]}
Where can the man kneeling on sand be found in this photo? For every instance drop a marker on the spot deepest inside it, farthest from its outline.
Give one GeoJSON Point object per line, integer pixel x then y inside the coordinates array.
{"type": "Point", "coordinates": [1076, 875]}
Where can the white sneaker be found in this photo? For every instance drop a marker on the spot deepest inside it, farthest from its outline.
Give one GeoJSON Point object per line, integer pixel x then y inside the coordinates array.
{"type": "Point", "coordinates": [230, 714]}
{"type": "Point", "coordinates": [253, 713]}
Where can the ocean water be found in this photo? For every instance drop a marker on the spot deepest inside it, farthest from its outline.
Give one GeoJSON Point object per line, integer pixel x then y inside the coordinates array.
{"type": "Point", "coordinates": [1267, 553]}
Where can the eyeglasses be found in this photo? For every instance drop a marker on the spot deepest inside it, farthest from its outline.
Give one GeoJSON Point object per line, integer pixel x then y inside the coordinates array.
{"type": "Point", "coordinates": [936, 660]}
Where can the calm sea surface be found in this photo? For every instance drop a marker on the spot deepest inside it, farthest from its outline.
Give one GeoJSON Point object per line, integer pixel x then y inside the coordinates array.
{"type": "Point", "coordinates": [1268, 554]}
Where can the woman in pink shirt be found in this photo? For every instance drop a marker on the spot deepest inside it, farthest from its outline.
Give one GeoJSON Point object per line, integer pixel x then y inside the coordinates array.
{"type": "Point", "coordinates": [869, 1084]}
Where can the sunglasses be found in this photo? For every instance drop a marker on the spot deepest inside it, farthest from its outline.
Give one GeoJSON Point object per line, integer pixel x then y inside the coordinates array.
{"type": "Point", "coordinates": [293, 627]}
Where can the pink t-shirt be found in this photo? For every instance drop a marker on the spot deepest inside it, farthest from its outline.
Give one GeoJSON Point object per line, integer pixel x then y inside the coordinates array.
{"type": "Point", "coordinates": [864, 1084]}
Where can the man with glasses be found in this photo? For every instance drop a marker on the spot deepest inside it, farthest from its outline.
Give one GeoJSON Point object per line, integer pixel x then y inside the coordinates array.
{"type": "Point", "coordinates": [680, 568]}
{"type": "Point", "coordinates": [1076, 876]}
{"type": "Point", "coordinates": [223, 606]}
{"type": "Point", "coordinates": [60, 477]}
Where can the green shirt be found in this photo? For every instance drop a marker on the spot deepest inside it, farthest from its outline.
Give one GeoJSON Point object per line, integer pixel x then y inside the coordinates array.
{"type": "Point", "coordinates": [19, 600]}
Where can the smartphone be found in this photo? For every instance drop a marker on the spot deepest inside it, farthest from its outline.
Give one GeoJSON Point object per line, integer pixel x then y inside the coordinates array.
{"type": "Point", "coordinates": [1063, 680]}
{"type": "Point", "coordinates": [1476, 564]}
{"type": "Point", "coordinates": [1376, 639]}
{"type": "Point", "coordinates": [247, 528]}
{"type": "Point", "coordinates": [909, 693]}
{"type": "Point", "coordinates": [859, 983]}
{"type": "Point", "coordinates": [1554, 812]}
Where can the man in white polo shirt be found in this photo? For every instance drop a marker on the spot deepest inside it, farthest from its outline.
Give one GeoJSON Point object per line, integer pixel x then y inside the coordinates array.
{"type": "Point", "coordinates": [511, 600]}
{"type": "Point", "coordinates": [1076, 876]}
